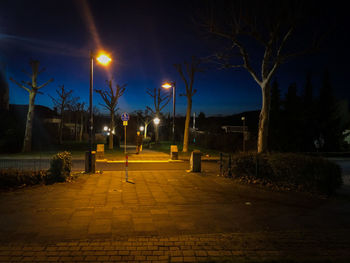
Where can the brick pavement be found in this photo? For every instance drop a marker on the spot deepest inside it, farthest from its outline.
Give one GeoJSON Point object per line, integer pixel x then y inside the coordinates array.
{"type": "Point", "coordinates": [168, 216]}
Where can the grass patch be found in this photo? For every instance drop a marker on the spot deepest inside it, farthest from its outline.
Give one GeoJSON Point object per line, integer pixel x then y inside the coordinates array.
{"type": "Point", "coordinates": [164, 146]}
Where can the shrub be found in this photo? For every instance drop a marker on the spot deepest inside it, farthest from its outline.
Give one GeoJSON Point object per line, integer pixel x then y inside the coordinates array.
{"type": "Point", "coordinates": [146, 141]}
{"type": "Point", "coordinates": [60, 167]}
{"type": "Point", "coordinates": [12, 178]}
{"type": "Point", "coordinates": [293, 171]}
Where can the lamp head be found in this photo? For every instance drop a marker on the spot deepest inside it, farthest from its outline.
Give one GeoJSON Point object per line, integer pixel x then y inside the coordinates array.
{"type": "Point", "coordinates": [166, 85]}
{"type": "Point", "coordinates": [103, 58]}
{"type": "Point", "coordinates": [156, 121]}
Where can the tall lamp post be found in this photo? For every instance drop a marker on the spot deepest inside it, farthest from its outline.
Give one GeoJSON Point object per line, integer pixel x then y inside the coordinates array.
{"type": "Point", "coordinates": [104, 60]}
{"type": "Point", "coordinates": [169, 85]}
{"type": "Point", "coordinates": [243, 119]}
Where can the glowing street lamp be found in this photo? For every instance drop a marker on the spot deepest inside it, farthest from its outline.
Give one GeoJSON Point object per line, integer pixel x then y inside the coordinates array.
{"type": "Point", "coordinates": [169, 85]}
{"type": "Point", "coordinates": [104, 60]}
{"type": "Point", "coordinates": [156, 120]}
{"type": "Point", "coordinates": [105, 128]}
{"type": "Point", "coordinates": [142, 128]}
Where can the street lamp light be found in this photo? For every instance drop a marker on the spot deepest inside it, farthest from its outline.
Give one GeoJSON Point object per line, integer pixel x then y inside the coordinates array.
{"type": "Point", "coordinates": [142, 128]}
{"type": "Point", "coordinates": [103, 59]}
{"type": "Point", "coordinates": [105, 128]}
{"type": "Point", "coordinates": [156, 120]}
{"type": "Point", "coordinates": [168, 85]}
{"type": "Point", "coordinates": [243, 119]}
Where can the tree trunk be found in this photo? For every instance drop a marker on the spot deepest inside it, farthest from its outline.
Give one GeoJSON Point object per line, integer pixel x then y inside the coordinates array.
{"type": "Point", "coordinates": [27, 143]}
{"type": "Point", "coordinates": [187, 125]}
{"type": "Point", "coordinates": [111, 126]}
{"type": "Point", "coordinates": [264, 119]}
{"type": "Point", "coordinates": [81, 126]}
{"type": "Point", "coordinates": [146, 125]}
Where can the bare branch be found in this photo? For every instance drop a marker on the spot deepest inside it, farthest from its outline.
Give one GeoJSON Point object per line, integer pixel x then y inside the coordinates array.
{"type": "Point", "coordinates": [46, 83]}
{"type": "Point", "coordinates": [20, 85]}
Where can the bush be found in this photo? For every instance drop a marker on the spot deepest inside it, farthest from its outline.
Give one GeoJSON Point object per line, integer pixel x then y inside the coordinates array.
{"type": "Point", "coordinates": [60, 167]}
{"type": "Point", "coordinates": [292, 171]}
{"type": "Point", "coordinates": [12, 178]}
{"type": "Point", "coordinates": [146, 141]}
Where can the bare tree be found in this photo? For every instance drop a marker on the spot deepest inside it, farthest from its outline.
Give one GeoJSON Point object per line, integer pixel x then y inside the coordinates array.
{"type": "Point", "coordinates": [33, 89]}
{"type": "Point", "coordinates": [145, 118]}
{"type": "Point", "coordinates": [81, 110]}
{"type": "Point", "coordinates": [77, 108]}
{"type": "Point", "coordinates": [254, 26]}
{"type": "Point", "coordinates": [160, 100]}
{"type": "Point", "coordinates": [62, 102]}
{"type": "Point", "coordinates": [191, 69]}
{"type": "Point", "coordinates": [110, 98]}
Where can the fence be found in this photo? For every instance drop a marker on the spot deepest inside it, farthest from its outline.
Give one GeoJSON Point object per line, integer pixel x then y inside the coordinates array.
{"type": "Point", "coordinates": [23, 164]}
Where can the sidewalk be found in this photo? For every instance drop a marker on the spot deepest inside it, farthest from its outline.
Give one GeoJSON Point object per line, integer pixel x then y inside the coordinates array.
{"type": "Point", "coordinates": [164, 216]}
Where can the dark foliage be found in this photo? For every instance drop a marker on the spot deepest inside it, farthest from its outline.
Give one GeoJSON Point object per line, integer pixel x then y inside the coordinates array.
{"type": "Point", "coordinates": [304, 123]}
{"type": "Point", "coordinates": [14, 178]}
{"type": "Point", "coordinates": [288, 171]}
{"type": "Point", "coordinates": [60, 167]}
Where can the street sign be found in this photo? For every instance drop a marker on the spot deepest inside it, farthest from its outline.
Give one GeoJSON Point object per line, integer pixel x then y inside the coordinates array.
{"type": "Point", "coordinates": [125, 123]}
{"type": "Point", "coordinates": [125, 116]}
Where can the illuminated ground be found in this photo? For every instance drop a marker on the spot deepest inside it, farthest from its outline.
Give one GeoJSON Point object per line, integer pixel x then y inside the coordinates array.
{"type": "Point", "coordinates": [169, 215]}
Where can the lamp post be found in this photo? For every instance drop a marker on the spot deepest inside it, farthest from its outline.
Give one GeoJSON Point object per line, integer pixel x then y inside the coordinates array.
{"type": "Point", "coordinates": [103, 59]}
{"type": "Point", "coordinates": [168, 86]}
{"type": "Point", "coordinates": [243, 119]}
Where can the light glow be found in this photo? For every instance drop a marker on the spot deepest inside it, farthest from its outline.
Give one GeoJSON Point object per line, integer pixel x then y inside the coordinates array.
{"type": "Point", "coordinates": [166, 85]}
{"type": "Point", "coordinates": [142, 128]}
{"type": "Point", "coordinates": [156, 121]}
{"type": "Point", "coordinates": [103, 59]}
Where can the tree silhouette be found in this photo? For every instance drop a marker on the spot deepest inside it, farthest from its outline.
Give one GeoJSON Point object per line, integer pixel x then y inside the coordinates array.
{"type": "Point", "coordinates": [145, 118]}
{"type": "Point", "coordinates": [191, 69]}
{"type": "Point", "coordinates": [110, 97]}
{"type": "Point", "coordinates": [33, 89]}
{"type": "Point", "coordinates": [267, 26]}
{"type": "Point", "coordinates": [160, 100]}
{"type": "Point", "coordinates": [62, 102]}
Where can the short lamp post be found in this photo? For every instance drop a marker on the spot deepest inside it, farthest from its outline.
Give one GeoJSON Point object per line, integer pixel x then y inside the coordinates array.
{"type": "Point", "coordinates": [243, 119]}
{"type": "Point", "coordinates": [103, 59]}
{"type": "Point", "coordinates": [169, 85]}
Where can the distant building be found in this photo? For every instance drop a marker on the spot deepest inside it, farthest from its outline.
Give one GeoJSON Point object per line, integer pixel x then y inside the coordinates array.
{"type": "Point", "coordinates": [231, 129]}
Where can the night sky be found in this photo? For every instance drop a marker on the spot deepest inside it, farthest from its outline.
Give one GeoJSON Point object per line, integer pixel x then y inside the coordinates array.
{"type": "Point", "coordinates": [145, 39]}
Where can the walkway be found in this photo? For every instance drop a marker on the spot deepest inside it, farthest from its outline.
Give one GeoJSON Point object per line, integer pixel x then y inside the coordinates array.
{"type": "Point", "coordinates": [168, 216]}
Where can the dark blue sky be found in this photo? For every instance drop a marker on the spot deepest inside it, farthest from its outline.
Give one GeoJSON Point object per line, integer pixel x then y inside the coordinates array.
{"type": "Point", "coordinates": [145, 39]}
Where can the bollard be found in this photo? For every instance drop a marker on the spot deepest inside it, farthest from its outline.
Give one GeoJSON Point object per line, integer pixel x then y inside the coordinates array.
{"type": "Point", "coordinates": [126, 167]}
{"type": "Point", "coordinates": [90, 162]}
{"type": "Point", "coordinates": [195, 161]}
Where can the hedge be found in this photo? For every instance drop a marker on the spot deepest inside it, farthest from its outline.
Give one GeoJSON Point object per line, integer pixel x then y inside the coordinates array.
{"type": "Point", "coordinates": [60, 169]}
{"type": "Point", "coordinates": [14, 178]}
{"type": "Point", "coordinates": [288, 170]}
